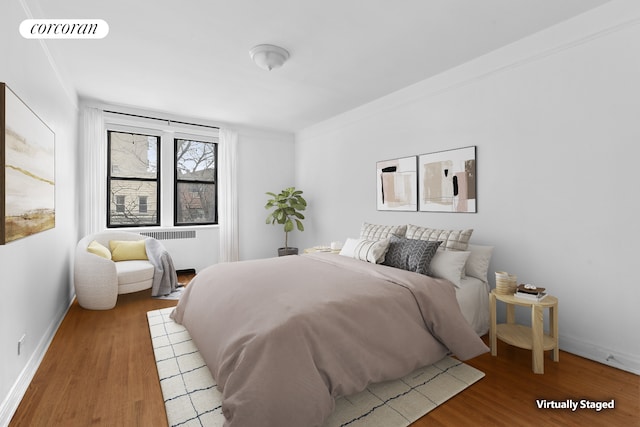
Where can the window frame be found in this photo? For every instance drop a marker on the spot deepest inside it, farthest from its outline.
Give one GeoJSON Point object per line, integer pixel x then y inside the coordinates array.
{"type": "Point", "coordinates": [157, 180]}
{"type": "Point", "coordinates": [177, 180]}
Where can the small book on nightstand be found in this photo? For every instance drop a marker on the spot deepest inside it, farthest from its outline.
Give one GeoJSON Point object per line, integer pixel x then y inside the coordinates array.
{"type": "Point", "coordinates": [530, 293]}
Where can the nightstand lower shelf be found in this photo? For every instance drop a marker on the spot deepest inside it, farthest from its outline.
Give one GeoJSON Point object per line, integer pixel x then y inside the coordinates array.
{"type": "Point", "coordinates": [522, 336]}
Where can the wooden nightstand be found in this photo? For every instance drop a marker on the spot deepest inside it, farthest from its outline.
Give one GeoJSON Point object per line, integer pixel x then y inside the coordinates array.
{"type": "Point", "coordinates": [532, 338]}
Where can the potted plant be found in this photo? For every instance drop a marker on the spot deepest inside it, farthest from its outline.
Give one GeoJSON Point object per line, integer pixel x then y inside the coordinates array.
{"type": "Point", "coordinates": [286, 208]}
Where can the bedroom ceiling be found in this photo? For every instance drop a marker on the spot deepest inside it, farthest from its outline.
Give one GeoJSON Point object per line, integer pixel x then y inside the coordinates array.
{"type": "Point", "coordinates": [192, 58]}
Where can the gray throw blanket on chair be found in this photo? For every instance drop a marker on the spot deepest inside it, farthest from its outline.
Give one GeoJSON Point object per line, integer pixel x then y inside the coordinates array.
{"type": "Point", "coordinates": [164, 277]}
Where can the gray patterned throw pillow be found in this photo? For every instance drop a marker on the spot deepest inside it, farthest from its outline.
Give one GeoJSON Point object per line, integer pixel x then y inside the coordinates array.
{"type": "Point", "coordinates": [410, 254]}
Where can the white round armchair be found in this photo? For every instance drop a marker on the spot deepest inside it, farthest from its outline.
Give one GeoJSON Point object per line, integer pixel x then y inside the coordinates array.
{"type": "Point", "coordinates": [98, 280]}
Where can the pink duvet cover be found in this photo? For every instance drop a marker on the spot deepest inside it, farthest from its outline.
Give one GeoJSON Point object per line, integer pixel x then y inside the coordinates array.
{"type": "Point", "coordinates": [284, 336]}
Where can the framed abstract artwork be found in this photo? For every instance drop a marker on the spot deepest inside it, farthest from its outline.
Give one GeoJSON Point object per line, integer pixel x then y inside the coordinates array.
{"type": "Point", "coordinates": [27, 170]}
{"type": "Point", "coordinates": [447, 181]}
{"type": "Point", "coordinates": [397, 184]}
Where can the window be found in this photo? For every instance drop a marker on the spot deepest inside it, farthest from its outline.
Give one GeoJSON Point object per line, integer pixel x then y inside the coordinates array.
{"type": "Point", "coordinates": [160, 173]}
{"type": "Point", "coordinates": [142, 204]}
{"type": "Point", "coordinates": [120, 204]}
{"type": "Point", "coordinates": [196, 192]}
{"type": "Point", "coordinates": [133, 185]}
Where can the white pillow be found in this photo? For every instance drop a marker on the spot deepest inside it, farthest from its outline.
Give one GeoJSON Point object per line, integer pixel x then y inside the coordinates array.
{"type": "Point", "coordinates": [452, 240]}
{"type": "Point", "coordinates": [478, 262]}
{"type": "Point", "coordinates": [379, 232]}
{"type": "Point", "coordinates": [372, 251]}
{"type": "Point", "coordinates": [449, 265]}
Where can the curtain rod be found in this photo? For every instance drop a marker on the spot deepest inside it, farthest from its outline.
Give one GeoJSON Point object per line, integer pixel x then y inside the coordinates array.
{"type": "Point", "coordinates": [162, 120]}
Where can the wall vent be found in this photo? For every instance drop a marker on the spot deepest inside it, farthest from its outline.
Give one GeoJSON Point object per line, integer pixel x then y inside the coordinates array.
{"type": "Point", "coordinates": [170, 235]}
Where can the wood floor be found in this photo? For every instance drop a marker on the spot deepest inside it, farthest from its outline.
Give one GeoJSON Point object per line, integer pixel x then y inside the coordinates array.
{"type": "Point", "coordinates": [100, 370]}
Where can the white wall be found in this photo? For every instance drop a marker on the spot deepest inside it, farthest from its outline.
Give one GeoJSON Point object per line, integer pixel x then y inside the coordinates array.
{"type": "Point", "coordinates": [555, 121]}
{"type": "Point", "coordinates": [35, 272]}
{"type": "Point", "coordinates": [265, 163]}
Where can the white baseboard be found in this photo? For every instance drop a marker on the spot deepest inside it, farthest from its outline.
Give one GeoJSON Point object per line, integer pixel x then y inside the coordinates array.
{"type": "Point", "coordinates": [17, 392]}
{"type": "Point", "coordinates": [626, 362]}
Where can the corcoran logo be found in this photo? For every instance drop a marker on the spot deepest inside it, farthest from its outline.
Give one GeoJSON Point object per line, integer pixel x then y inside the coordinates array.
{"type": "Point", "coordinates": [64, 29]}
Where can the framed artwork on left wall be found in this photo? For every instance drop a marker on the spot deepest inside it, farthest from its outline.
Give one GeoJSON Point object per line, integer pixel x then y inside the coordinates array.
{"type": "Point", "coordinates": [397, 182]}
{"type": "Point", "coordinates": [27, 170]}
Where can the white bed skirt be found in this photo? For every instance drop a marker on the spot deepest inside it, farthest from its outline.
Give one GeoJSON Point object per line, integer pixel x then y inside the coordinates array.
{"type": "Point", "coordinates": [473, 297]}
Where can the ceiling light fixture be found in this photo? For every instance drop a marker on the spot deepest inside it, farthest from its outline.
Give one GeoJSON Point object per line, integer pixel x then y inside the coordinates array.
{"type": "Point", "coordinates": [268, 57]}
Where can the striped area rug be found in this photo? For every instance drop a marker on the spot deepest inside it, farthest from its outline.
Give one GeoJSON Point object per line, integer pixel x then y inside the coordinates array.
{"type": "Point", "coordinates": [192, 399]}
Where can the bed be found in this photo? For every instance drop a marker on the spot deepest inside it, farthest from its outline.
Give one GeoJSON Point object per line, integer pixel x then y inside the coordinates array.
{"type": "Point", "coordinates": [467, 270]}
{"type": "Point", "coordinates": [283, 337]}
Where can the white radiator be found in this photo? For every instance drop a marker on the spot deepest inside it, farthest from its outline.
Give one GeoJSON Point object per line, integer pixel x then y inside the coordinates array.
{"type": "Point", "coordinates": [170, 234]}
{"type": "Point", "coordinates": [189, 249]}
